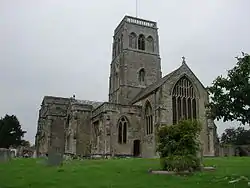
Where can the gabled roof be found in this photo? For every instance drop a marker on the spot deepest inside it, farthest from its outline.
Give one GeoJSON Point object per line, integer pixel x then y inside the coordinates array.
{"type": "Point", "coordinates": [151, 88]}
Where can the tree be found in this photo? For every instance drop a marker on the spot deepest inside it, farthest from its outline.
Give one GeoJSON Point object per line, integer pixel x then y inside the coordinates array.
{"type": "Point", "coordinates": [230, 95]}
{"type": "Point", "coordinates": [239, 136]}
{"type": "Point", "coordinates": [11, 133]}
{"type": "Point", "coordinates": [26, 143]}
{"type": "Point", "coordinates": [179, 147]}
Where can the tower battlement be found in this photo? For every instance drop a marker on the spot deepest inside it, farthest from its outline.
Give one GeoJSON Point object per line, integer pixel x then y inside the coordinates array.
{"type": "Point", "coordinates": [136, 21]}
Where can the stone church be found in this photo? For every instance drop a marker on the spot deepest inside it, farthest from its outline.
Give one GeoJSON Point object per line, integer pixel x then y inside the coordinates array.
{"type": "Point", "coordinates": [140, 100]}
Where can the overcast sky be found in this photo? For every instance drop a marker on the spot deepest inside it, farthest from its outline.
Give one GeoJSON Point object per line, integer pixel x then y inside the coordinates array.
{"type": "Point", "coordinates": [62, 47]}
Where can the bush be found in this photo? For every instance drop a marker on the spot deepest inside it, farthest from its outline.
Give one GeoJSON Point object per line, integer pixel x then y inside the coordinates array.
{"type": "Point", "coordinates": [179, 146]}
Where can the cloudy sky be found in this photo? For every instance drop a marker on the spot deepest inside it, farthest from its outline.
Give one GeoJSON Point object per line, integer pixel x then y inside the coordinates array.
{"type": "Point", "coordinates": [62, 47]}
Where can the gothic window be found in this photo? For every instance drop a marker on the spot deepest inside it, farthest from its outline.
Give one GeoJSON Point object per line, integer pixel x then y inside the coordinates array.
{"type": "Point", "coordinates": [150, 44]}
{"type": "Point", "coordinates": [149, 118]}
{"type": "Point", "coordinates": [122, 130]}
{"type": "Point", "coordinates": [184, 100]}
{"type": "Point", "coordinates": [141, 76]}
{"type": "Point", "coordinates": [114, 49]}
{"type": "Point", "coordinates": [132, 40]}
{"type": "Point", "coordinates": [141, 42]}
{"type": "Point", "coordinates": [121, 42]}
{"type": "Point", "coordinates": [67, 122]}
{"type": "Point", "coordinates": [119, 46]}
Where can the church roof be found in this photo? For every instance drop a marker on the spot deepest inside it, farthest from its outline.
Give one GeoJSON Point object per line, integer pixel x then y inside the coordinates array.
{"type": "Point", "coordinates": [151, 88]}
{"type": "Point", "coordinates": [95, 104]}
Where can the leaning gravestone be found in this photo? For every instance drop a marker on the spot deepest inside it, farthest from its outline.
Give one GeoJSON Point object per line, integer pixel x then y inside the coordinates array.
{"type": "Point", "coordinates": [55, 158]}
{"type": "Point", "coordinates": [4, 155]}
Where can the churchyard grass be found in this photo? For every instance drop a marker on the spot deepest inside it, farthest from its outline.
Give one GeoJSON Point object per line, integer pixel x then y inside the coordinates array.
{"type": "Point", "coordinates": [118, 173]}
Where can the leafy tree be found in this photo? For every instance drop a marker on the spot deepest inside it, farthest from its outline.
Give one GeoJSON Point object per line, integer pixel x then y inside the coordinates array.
{"type": "Point", "coordinates": [11, 133]}
{"type": "Point", "coordinates": [239, 136]}
{"type": "Point", "coordinates": [179, 147]}
{"type": "Point", "coordinates": [26, 143]}
{"type": "Point", "coordinates": [230, 95]}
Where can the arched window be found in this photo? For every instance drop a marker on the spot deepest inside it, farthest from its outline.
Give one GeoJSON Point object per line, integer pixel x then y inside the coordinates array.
{"type": "Point", "coordinates": [141, 42]}
{"type": "Point", "coordinates": [150, 44]}
{"type": "Point", "coordinates": [141, 76]}
{"type": "Point", "coordinates": [121, 42]}
{"type": "Point", "coordinates": [184, 100]}
{"type": "Point", "coordinates": [67, 122]}
{"type": "Point", "coordinates": [132, 40]}
{"type": "Point", "coordinates": [114, 49]}
{"type": "Point", "coordinates": [119, 47]}
{"type": "Point", "coordinates": [149, 118]}
{"type": "Point", "coordinates": [122, 130]}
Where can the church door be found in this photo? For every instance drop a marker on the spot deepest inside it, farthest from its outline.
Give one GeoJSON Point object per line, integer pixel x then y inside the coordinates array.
{"type": "Point", "coordinates": [137, 148]}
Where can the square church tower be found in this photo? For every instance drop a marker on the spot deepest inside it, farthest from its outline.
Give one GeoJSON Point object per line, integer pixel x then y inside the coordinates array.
{"type": "Point", "coordinates": [136, 61]}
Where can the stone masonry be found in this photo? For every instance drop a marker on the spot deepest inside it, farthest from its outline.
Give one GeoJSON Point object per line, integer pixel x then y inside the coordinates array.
{"type": "Point", "coordinates": [140, 100]}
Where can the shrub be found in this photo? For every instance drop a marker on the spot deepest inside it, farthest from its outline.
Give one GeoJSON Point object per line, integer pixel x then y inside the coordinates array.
{"type": "Point", "coordinates": [178, 146]}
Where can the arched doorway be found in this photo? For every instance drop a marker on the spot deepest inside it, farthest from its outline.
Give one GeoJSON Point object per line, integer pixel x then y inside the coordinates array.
{"type": "Point", "coordinates": [137, 149]}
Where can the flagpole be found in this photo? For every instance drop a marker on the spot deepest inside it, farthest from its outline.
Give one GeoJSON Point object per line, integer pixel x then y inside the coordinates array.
{"type": "Point", "coordinates": [136, 7]}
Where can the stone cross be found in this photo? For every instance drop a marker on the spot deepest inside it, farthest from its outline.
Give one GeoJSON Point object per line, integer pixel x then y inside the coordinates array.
{"type": "Point", "coordinates": [183, 59]}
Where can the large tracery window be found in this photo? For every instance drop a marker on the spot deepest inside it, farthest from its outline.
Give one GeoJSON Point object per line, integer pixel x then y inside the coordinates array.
{"type": "Point", "coordinates": [184, 100]}
{"type": "Point", "coordinates": [149, 118]}
{"type": "Point", "coordinates": [122, 130]}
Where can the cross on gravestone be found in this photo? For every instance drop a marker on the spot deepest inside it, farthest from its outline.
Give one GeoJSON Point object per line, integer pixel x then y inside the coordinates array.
{"type": "Point", "coordinates": [55, 158]}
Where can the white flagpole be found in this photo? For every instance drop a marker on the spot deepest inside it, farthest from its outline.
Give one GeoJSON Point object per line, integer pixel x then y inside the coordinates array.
{"type": "Point", "coordinates": [136, 8]}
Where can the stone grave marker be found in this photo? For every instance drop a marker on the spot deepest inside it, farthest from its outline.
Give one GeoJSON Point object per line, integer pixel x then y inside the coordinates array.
{"type": "Point", "coordinates": [4, 155]}
{"type": "Point", "coordinates": [55, 158]}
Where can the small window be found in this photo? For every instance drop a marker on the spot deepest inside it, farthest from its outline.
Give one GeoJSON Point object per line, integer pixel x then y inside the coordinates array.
{"type": "Point", "coordinates": [148, 118]}
{"type": "Point", "coordinates": [142, 76]}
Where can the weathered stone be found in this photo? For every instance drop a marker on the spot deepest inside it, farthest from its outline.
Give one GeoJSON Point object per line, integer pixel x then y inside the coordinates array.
{"type": "Point", "coordinates": [82, 127]}
{"type": "Point", "coordinates": [55, 158]}
{"type": "Point", "coordinates": [5, 155]}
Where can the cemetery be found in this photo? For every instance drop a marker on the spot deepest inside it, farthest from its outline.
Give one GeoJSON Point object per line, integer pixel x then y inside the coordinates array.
{"type": "Point", "coordinates": [23, 173]}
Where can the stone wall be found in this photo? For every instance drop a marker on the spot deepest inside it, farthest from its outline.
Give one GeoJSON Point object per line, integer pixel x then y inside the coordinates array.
{"type": "Point", "coordinates": [233, 150]}
{"type": "Point", "coordinates": [105, 129]}
{"type": "Point", "coordinates": [202, 97]}
{"type": "Point", "coordinates": [51, 121]}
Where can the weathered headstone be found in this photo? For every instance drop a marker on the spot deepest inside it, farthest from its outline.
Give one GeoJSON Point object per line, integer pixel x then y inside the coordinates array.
{"type": "Point", "coordinates": [5, 155]}
{"type": "Point", "coordinates": [55, 158]}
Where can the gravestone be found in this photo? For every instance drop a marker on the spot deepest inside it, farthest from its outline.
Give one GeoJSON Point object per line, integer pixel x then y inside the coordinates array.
{"type": "Point", "coordinates": [55, 158]}
{"type": "Point", "coordinates": [5, 155]}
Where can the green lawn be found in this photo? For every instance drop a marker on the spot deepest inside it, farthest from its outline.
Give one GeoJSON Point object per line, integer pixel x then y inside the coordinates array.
{"type": "Point", "coordinates": [118, 173]}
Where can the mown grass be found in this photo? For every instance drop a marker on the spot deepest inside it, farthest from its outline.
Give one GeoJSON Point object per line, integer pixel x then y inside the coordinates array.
{"type": "Point", "coordinates": [118, 173]}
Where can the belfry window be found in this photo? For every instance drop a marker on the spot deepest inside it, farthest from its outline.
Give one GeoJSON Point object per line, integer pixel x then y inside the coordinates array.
{"type": "Point", "coordinates": [150, 44]}
{"type": "Point", "coordinates": [184, 100]}
{"type": "Point", "coordinates": [141, 42]}
{"type": "Point", "coordinates": [148, 118]}
{"type": "Point", "coordinates": [132, 40]}
{"type": "Point", "coordinates": [122, 130]}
